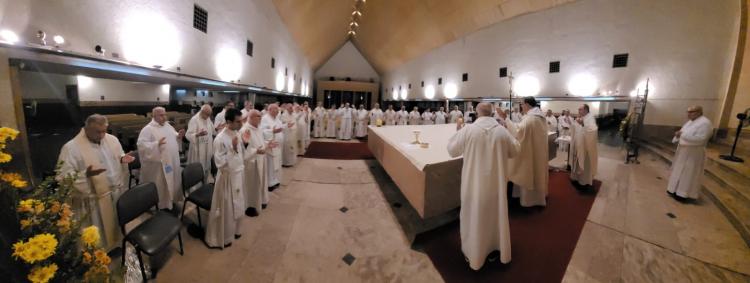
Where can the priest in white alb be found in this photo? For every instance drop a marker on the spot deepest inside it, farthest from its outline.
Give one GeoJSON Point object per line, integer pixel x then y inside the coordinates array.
{"type": "Point", "coordinates": [160, 158]}
{"type": "Point", "coordinates": [455, 114]}
{"type": "Point", "coordinates": [319, 121]}
{"type": "Point", "coordinates": [469, 114]}
{"type": "Point", "coordinates": [414, 117]}
{"type": "Point", "coordinates": [485, 147]}
{"type": "Point", "coordinates": [441, 116]}
{"type": "Point", "coordinates": [273, 131]}
{"type": "Point", "coordinates": [551, 121]}
{"type": "Point", "coordinates": [228, 200]}
{"type": "Point", "coordinates": [346, 118]}
{"type": "Point", "coordinates": [687, 167]}
{"type": "Point", "coordinates": [256, 186]}
{"type": "Point", "coordinates": [376, 114]}
{"type": "Point", "coordinates": [403, 116]}
{"type": "Point", "coordinates": [200, 134]}
{"type": "Point", "coordinates": [427, 117]}
{"type": "Point", "coordinates": [360, 128]}
{"type": "Point", "coordinates": [300, 118]}
{"type": "Point", "coordinates": [390, 116]}
{"type": "Point", "coordinates": [583, 150]}
{"type": "Point", "coordinates": [289, 151]}
{"type": "Point", "coordinates": [529, 170]}
{"type": "Point", "coordinates": [101, 168]}
{"type": "Point", "coordinates": [332, 118]}
{"type": "Point", "coordinates": [219, 120]}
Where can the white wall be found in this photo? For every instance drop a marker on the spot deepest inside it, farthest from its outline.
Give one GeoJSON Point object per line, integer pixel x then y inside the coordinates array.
{"type": "Point", "coordinates": [686, 47]}
{"type": "Point", "coordinates": [347, 62]}
{"type": "Point", "coordinates": [121, 91]}
{"type": "Point", "coordinates": [44, 86]}
{"type": "Point", "coordinates": [86, 23]}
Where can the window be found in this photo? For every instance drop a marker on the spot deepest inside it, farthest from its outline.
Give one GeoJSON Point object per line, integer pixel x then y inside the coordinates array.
{"type": "Point", "coordinates": [503, 72]}
{"type": "Point", "coordinates": [200, 19]}
{"type": "Point", "coordinates": [249, 48]}
{"type": "Point", "coordinates": [422, 83]}
{"type": "Point", "coordinates": [273, 62]}
{"type": "Point", "coordinates": [440, 81]}
{"type": "Point", "coordinates": [409, 86]}
{"type": "Point", "coordinates": [465, 77]}
{"type": "Point", "coordinates": [554, 67]}
{"type": "Point", "coordinates": [620, 60]}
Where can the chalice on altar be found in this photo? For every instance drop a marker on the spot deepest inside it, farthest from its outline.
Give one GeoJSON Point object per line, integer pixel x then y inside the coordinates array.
{"type": "Point", "coordinates": [416, 137]}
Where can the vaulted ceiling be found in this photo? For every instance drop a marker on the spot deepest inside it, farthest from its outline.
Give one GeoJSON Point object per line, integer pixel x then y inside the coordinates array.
{"type": "Point", "coordinates": [391, 32]}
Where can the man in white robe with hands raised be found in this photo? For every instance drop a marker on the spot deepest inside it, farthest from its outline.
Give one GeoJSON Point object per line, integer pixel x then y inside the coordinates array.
{"type": "Point", "coordinates": [583, 150]}
{"type": "Point", "coordinates": [530, 170]}
{"type": "Point", "coordinates": [485, 147]}
{"type": "Point", "coordinates": [159, 153]}
{"type": "Point", "coordinates": [200, 134]}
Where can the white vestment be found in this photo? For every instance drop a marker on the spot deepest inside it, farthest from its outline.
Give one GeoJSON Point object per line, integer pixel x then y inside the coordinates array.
{"type": "Point", "coordinates": [308, 131]}
{"type": "Point", "coordinates": [201, 148]}
{"type": "Point", "coordinates": [440, 117]}
{"type": "Point", "coordinates": [160, 164]}
{"type": "Point", "coordinates": [360, 130]}
{"type": "Point", "coordinates": [219, 119]}
{"type": "Point", "coordinates": [563, 127]}
{"type": "Point", "coordinates": [467, 116]}
{"type": "Point", "coordinates": [584, 153]}
{"type": "Point", "coordinates": [403, 117]}
{"type": "Point", "coordinates": [94, 198]}
{"type": "Point", "coordinates": [415, 118]}
{"type": "Point", "coordinates": [228, 201]}
{"type": "Point", "coordinates": [485, 147]}
{"type": "Point", "coordinates": [516, 117]}
{"type": "Point", "coordinates": [529, 171]}
{"type": "Point", "coordinates": [244, 112]}
{"type": "Point", "coordinates": [427, 118]}
{"type": "Point", "coordinates": [300, 118]}
{"type": "Point", "coordinates": [256, 187]}
{"type": "Point", "coordinates": [687, 167]}
{"type": "Point", "coordinates": [375, 115]}
{"type": "Point", "coordinates": [289, 152]}
{"type": "Point", "coordinates": [273, 157]}
{"type": "Point", "coordinates": [455, 114]}
{"type": "Point", "coordinates": [331, 121]}
{"type": "Point", "coordinates": [551, 123]}
{"type": "Point", "coordinates": [390, 117]}
{"type": "Point", "coordinates": [319, 126]}
{"type": "Point", "coordinates": [346, 115]}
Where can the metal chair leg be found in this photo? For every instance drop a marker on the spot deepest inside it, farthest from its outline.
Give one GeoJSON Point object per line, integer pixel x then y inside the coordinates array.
{"type": "Point", "coordinates": [179, 238]}
{"type": "Point", "coordinates": [184, 204]}
{"type": "Point", "coordinates": [124, 252]}
{"type": "Point", "coordinates": [140, 261]}
{"type": "Point", "coordinates": [198, 211]}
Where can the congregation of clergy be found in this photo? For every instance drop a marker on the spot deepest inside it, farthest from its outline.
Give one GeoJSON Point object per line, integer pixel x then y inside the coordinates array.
{"type": "Point", "coordinates": [248, 148]}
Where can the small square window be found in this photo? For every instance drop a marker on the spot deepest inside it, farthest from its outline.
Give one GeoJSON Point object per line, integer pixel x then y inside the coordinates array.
{"type": "Point", "coordinates": [422, 83]}
{"type": "Point", "coordinates": [409, 86]}
{"type": "Point", "coordinates": [554, 67]}
{"type": "Point", "coordinates": [440, 81]}
{"type": "Point", "coordinates": [503, 72]}
{"type": "Point", "coordinates": [249, 48]}
{"type": "Point", "coordinates": [273, 63]}
{"type": "Point", "coordinates": [620, 60]}
{"type": "Point", "coordinates": [465, 77]}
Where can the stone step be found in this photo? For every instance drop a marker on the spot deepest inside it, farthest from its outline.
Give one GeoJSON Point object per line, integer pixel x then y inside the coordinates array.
{"type": "Point", "coordinates": [733, 204]}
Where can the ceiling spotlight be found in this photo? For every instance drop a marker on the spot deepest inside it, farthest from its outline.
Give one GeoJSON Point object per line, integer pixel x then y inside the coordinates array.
{"type": "Point", "coordinates": [99, 49]}
{"type": "Point", "coordinates": [354, 24]}
{"type": "Point", "coordinates": [351, 32]}
{"type": "Point", "coordinates": [59, 40]}
{"type": "Point", "coordinates": [356, 13]}
{"type": "Point", "coordinates": [9, 36]}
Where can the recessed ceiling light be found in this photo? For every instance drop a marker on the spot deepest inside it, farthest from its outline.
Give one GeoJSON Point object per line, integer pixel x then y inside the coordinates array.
{"type": "Point", "coordinates": [356, 13]}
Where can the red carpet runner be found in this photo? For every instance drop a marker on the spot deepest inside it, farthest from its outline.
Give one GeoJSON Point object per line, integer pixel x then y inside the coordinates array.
{"type": "Point", "coordinates": [338, 150]}
{"type": "Point", "coordinates": [542, 240]}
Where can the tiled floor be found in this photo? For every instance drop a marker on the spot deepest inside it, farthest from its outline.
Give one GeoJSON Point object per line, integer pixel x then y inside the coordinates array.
{"type": "Point", "coordinates": [328, 209]}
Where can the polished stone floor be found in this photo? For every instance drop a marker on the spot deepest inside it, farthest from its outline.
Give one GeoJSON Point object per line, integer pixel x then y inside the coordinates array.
{"type": "Point", "coordinates": [335, 221]}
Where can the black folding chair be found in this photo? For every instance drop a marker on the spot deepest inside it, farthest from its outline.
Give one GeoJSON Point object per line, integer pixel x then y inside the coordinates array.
{"type": "Point", "coordinates": [134, 166]}
{"type": "Point", "coordinates": [201, 196]}
{"type": "Point", "coordinates": [152, 235]}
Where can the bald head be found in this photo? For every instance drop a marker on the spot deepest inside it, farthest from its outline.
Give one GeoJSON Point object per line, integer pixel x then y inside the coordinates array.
{"type": "Point", "coordinates": [484, 109]}
{"type": "Point", "coordinates": [273, 109]}
{"type": "Point", "coordinates": [254, 117]}
{"type": "Point", "coordinates": [205, 111]}
{"type": "Point", "coordinates": [96, 127]}
{"type": "Point", "coordinates": [694, 112]}
{"type": "Point", "coordinates": [160, 115]}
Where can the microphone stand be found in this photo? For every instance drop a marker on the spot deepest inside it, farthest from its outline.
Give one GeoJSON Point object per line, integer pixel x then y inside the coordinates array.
{"type": "Point", "coordinates": [731, 156]}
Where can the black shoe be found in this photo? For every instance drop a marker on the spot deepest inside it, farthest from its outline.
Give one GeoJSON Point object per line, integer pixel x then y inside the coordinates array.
{"type": "Point", "coordinates": [237, 236]}
{"type": "Point", "coordinates": [493, 256]}
{"type": "Point", "coordinates": [263, 206]}
{"type": "Point", "coordinates": [680, 199]}
{"type": "Point", "coordinates": [227, 245]}
{"type": "Point", "coordinates": [670, 193]}
{"type": "Point", "coordinates": [251, 211]}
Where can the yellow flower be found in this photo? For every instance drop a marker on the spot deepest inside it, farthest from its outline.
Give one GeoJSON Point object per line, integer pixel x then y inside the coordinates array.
{"type": "Point", "coordinates": [42, 274]}
{"type": "Point", "coordinates": [86, 258]}
{"type": "Point", "coordinates": [102, 258]}
{"type": "Point", "coordinates": [20, 184]}
{"type": "Point", "coordinates": [38, 248]}
{"type": "Point", "coordinates": [10, 177]}
{"type": "Point", "coordinates": [6, 132]}
{"type": "Point", "coordinates": [27, 205]}
{"type": "Point", "coordinates": [39, 207]}
{"type": "Point", "coordinates": [25, 223]}
{"type": "Point", "coordinates": [64, 225]}
{"type": "Point", "coordinates": [5, 158]}
{"type": "Point", "coordinates": [90, 236]}
{"type": "Point", "coordinates": [66, 213]}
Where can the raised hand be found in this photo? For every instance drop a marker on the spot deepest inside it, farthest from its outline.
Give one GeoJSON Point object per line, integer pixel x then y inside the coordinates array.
{"type": "Point", "coordinates": [127, 158]}
{"type": "Point", "coordinates": [202, 132]}
{"type": "Point", "coordinates": [181, 133]}
{"type": "Point", "coordinates": [235, 141]}
{"type": "Point", "coordinates": [93, 172]}
{"type": "Point", "coordinates": [162, 141]}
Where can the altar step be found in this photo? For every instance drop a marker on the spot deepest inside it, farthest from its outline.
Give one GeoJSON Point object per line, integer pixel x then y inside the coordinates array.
{"type": "Point", "coordinates": [726, 183]}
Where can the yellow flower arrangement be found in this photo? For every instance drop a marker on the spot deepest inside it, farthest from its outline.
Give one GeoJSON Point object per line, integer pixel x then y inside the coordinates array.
{"type": "Point", "coordinates": [42, 274]}
{"type": "Point", "coordinates": [5, 158]}
{"type": "Point", "coordinates": [86, 258]}
{"type": "Point", "coordinates": [90, 236]}
{"type": "Point", "coordinates": [10, 177]}
{"type": "Point", "coordinates": [54, 207]}
{"type": "Point", "coordinates": [28, 205]}
{"type": "Point", "coordinates": [38, 248]}
{"type": "Point", "coordinates": [6, 133]}
{"type": "Point", "coordinates": [102, 258]}
{"type": "Point", "coordinates": [64, 225]}
{"type": "Point", "coordinates": [25, 223]}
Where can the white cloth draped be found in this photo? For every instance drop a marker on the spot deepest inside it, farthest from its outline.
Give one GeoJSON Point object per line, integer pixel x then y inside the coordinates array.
{"type": "Point", "coordinates": [160, 164]}
{"type": "Point", "coordinates": [485, 147]}
{"type": "Point", "coordinates": [93, 199]}
{"type": "Point", "coordinates": [201, 148]}
{"type": "Point", "coordinates": [360, 130]}
{"type": "Point", "coordinates": [530, 170]}
{"type": "Point", "coordinates": [687, 167]}
{"type": "Point", "coordinates": [584, 153]}
{"type": "Point", "coordinates": [273, 158]}
{"type": "Point", "coordinates": [228, 202]}
{"type": "Point", "coordinates": [256, 187]}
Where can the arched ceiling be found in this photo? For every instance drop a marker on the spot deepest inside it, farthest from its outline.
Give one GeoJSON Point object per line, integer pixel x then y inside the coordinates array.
{"type": "Point", "coordinates": [391, 32]}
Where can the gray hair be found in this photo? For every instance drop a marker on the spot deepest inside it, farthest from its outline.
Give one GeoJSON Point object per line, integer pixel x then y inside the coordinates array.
{"type": "Point", "coordinates": [484, 109]}
{"type": "Point", "coordinates": [96, 119]}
